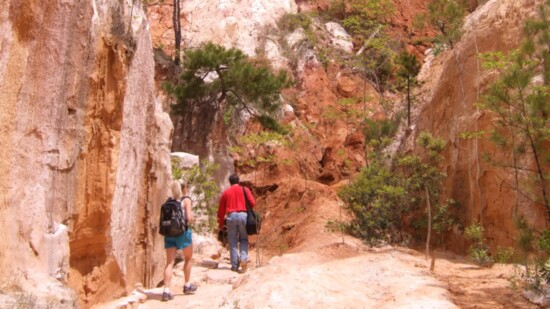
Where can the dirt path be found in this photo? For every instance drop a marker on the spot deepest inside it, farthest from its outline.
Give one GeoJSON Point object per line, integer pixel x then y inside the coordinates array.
{"type": "Point", "coordinates": [340, 275]}
{"type": "Point", "coordinates": [475, 287]}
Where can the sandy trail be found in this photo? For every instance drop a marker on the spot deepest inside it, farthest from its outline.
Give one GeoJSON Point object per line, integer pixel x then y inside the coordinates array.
{"type": "Point", "coordinates": [343, 275]}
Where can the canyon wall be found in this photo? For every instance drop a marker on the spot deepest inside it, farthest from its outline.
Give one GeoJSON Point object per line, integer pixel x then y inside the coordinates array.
{"type": "Point", "coordinates": [231, 23]}
{"type": "Point", "coordinates": [85, 157]}
{"type": "Point", "coordinates": [454, 82]}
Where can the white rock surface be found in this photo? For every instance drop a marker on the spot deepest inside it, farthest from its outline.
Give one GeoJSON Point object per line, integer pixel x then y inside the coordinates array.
{"type": "Point", "coordinates": [185, 160]}
{"type": "Point", "coordinates": [339, 37]}
{"type": "Point", "coordinates": [232, 23]}
{"type": "Point", "coordinates": [84, 154]}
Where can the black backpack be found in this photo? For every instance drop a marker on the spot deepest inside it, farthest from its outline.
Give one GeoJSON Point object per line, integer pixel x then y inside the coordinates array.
{"type": "Point", "coordinates": [172, 218]}
{"type": "Point", "coordinates": [253, 220]}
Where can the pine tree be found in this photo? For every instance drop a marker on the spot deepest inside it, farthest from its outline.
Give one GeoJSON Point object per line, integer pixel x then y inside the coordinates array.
{"type": "Point", "coordinates": [408, 68]}
{"type": "Point", "coordinates": [424, 180]}
{"type": "Point", "coordinates": [226, 79]}
{"type": "Point", "coordinates": [366, 21]}
{"type": "Point", "coordinates": [176, 21]}
{"type": "Point", "coordinates": [447, 16]}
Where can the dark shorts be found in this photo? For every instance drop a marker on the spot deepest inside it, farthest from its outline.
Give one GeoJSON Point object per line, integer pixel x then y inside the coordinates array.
{"type": "Point", "coordinates": [182, 241]}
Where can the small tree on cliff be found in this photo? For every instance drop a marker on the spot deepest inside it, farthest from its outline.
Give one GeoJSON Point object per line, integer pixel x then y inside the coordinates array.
{"type": "Point", "coordinates": [447, 16]}
{"type": "Point", "coordinates": [176, 20]}
{"type": "Point", "coordinates": [366, 21]}
{"type": "Point", "coordinates": [227, 80]}
{"type": "Point", "coordinates": [365, 16]}
{"type": "Point", "coordinates": [408, 68]}
{"type": "Point", "coordinates": [520, 101]}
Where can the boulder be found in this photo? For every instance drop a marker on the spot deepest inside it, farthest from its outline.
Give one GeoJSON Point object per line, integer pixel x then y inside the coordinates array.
{"type": "Point", "coordinates": [339, 37]}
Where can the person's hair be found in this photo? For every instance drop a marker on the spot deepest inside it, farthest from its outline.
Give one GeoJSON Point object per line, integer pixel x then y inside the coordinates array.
{"type": "Point", "coordinates": [234, 179]}
{"type": "Point", "coordinates": [183, 183]}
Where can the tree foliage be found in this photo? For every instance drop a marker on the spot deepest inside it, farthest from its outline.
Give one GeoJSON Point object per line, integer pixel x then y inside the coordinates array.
{"type": "Point", "coordinates": [478, 250]}
{"type": "Point", "coordinates": [226, 79]}
{"type": "Point", "coordinates": [176, 21]}
{"type": "Point", "coordinates": [382, 196]}
{"type": "Point", "coordinates": [447, 16]}
{"type": "Point", "coordinates": [366, 21]}
{"type": "Point", "coordinates": [200, 179]}
{"type": "Point", "coordinates": [376, 198]}
{"type": "Point", "coordinates": [408, 68]}
{"type": "Point", "coordinates": [535, 246]}
{"type": "Point", "coordinates": [366, 15]}
{"type": "Point", "coordinates": [424, 182]}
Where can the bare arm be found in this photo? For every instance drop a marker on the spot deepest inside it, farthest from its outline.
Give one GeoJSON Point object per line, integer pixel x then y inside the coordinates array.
{"type": "Point", "coordinates": [188, 211]}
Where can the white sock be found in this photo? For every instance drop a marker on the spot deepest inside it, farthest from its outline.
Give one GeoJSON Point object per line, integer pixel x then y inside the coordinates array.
{"type": "Point", "coordinates": [187, 284]}
{"type": "Point", "coordinates": [166, 290]}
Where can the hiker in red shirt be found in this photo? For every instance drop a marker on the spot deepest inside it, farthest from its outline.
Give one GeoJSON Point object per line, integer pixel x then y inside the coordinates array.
{"type": "Point", "coordinates": [232, 206]}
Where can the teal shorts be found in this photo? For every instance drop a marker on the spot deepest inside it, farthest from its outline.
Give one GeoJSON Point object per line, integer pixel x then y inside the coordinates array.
{"type": "Point", "coordinates": [182, 241]}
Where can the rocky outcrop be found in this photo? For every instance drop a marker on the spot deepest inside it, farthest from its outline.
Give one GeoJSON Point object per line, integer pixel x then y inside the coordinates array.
{"type": "Point", "coordinates": [231, 23]}
{"type": "Point", "coordinates": [454, 83]}
{"type": "Point", "coordinates": [85, 155]}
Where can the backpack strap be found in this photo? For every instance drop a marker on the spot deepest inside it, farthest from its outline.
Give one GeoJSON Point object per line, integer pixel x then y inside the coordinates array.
{"type": "Point", "coordinates": [184, 197]}
{"type": "Point", "coordinates": [246, 201]}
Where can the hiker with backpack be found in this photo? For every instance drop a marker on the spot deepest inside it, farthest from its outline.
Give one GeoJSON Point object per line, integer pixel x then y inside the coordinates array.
{"type": "Point", "coordinates": [233, 210]}
{"type": "Point", "coordinates": [176, 216]}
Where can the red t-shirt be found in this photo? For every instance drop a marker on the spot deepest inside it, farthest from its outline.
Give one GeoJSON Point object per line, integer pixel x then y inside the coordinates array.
{"type": "Point", "coordinates": [232, 200]}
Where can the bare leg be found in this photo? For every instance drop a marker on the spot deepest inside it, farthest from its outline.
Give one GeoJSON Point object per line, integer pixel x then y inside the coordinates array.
{"type": "Point", "coordinates": [168, 269]}
{"type": "Point", "coordinates": [187, 255]}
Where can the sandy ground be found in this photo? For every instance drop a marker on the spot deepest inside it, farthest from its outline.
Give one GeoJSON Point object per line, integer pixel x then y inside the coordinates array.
{"type": "Point", "coordinates": [341, 275]}
{"type": "Point", "coordinates": [475, 287]}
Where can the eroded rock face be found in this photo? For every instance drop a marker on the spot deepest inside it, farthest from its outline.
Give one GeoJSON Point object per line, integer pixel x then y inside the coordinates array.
{"type": "Point", "coordinates": [454, 85]}
{"type": "Point", "coordinates": [85, 149]}
{"type": "Point", "coordinates": [231, 23]}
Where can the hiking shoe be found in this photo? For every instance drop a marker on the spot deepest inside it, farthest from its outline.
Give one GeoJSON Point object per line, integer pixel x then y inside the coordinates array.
{"type": "Point", "coordinates": [166, 296]}
{"type": "Point", "coordinates": [244, 266]}
{"type": "Point", "coordinates": [189, 289]}
{"type": "Point", "coordinates": [237, 270]}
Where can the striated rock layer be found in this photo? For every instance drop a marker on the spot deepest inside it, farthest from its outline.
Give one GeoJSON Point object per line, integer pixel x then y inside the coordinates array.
{"type": "Point", "coordinates": [84, 162]}
{"type": "Point", "coordinates": [232, 23]}
{"type": "Point", "coordinates": [454, 83]}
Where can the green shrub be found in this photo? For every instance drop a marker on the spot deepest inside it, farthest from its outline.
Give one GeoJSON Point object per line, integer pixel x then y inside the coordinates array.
{"type": "Point", "coordinates": [200, 180]}
{"type": "Point", "coordinates": [447, 16]}
{"type": "Point", "coordinates": [176, 171]}
{"type": "Point", "coordinates": [479, 252]}
{"type": "Point", "coordinates": [291, 22]}
{"type": "Point", "coordinates": [376, 199]}
{"type": "Point", "coordinates": [504, 255]}
{"type": "Point", "coordinates": [335, 226]}
{"type": "Point", "coordinates": [544, 242]}
{"type": "Point", "coordinates": [270, 123]}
